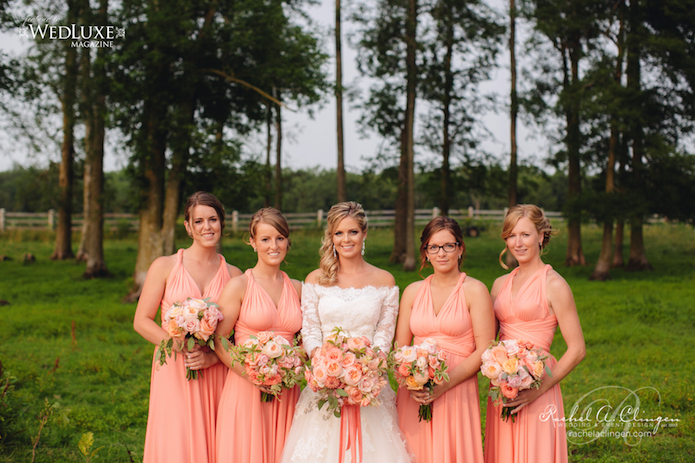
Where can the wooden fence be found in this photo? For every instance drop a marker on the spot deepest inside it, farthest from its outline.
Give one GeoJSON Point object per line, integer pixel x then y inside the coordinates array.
{"type": "Point", "coordinates": [237, 221]}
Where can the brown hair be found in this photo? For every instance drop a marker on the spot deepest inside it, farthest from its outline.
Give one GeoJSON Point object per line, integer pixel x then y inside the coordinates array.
{"type": "Point", "coordinates": [329, 262]}
{"type": "Point", "coordinates": [203, 199]}
{"type": "Point", "coordinates": [273, 217]}
{"type": "Point", "coordinates": [535, 215]}
{"type": "Point", "coordinates": [435, 225]}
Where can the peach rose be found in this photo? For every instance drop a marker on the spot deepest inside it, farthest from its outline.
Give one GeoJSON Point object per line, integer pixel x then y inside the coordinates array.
{"type": "Point", "coordinates": [409, 353]}
{"type": "Point", "coordinates": [429, 345]}
{"type": "Point", "coordinates": [352, 375]}
{"type": "Point", "coordinates": [366, 402]}
{"type": "Point", "coordinates": [499, 354]}
{"type": "Point", "coordinates": [334, 355]}
{"type": "Point", "coordinates": [491, 369]}
{"type": "Point", "coordinates": [404, 370]}
{"type": "Point", "coordinates": [272, 349]}
{"type": "Point", "coordinates": [355, 343]}
{"type": "Point", "coordinates": [421, 377]}
{"type": "Point", "coordinates": [367, 384]}
{"type": "Point", "coordinates": [510, 366]}
{"type": "Point", "coordinates": [354, 394]}
{"type": "Point", "coordinates": [349, 360]}
{"type": "Point", "coordinates": [411, 384]}
{"type": "Point", "coordinates": [334, 369]}
{"type": "Point", "coordinates": [175, 311]}
{"type": "Point", "coordinates": [274, 379]}
{"type": "Point", "coordinates": [206, 329]}
{"type": "Point", "coordinates": [508, 391]}
{"type": "Point", "coordinates": [192, 326]}
{"type": "Point", "coordinates": [538, 370]}
{"type": "Point", "coordinates": [320, 375]}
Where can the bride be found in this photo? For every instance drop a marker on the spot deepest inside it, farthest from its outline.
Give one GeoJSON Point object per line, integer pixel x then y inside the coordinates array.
{"type": "Point", "coordinates": [349, 293]}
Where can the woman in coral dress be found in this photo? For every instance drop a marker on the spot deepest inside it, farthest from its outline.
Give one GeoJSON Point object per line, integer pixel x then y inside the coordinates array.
{"type": "Point", "coordinates": [262, 299]}
{"type": "Point", "coordinates": [454, 310]}
{"type": "Point", "coordinates": [362, 300]}
{"type": "Point", "coordinates": [182, 413]}
{"type": "Point", "coordinates": [530, 302]}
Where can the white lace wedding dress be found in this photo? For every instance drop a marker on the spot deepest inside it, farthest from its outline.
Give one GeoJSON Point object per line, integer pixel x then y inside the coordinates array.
{"type": "Point", "coordinates": [315, 434]}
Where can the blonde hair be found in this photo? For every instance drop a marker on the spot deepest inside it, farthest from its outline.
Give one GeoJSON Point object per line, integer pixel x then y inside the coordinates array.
{"type": "Point", "coordinates": [535, 215]}
{"type": "Point", "coordinates": [273, 217]}
{"type": "Point", "coordinates": [329, 263]}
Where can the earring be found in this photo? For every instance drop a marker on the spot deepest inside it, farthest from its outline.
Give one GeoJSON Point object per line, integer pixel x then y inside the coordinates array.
{"type": "Point", "coordinates": [540, 247]}
{"type": "Point", "coordinates": [427, 259]}
{"type": "Point", "coordinates": [255, 250]}
{"type": "Point", "coordinates": [363, 247]}
{"type": "Point", "coordinates": [335, 253]}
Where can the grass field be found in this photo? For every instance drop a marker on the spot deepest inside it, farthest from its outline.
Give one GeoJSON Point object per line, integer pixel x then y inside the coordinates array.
{"type": "Point", "coordinates": [70, 356]}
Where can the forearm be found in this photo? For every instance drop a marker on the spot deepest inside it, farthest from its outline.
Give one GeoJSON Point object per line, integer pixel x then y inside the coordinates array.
{"type": "Point", "coordinates": [466, 369]}
{"type": "Point", "coordinates": [151, 331]}
{"type": "Point", "coordinates": [571, 358]}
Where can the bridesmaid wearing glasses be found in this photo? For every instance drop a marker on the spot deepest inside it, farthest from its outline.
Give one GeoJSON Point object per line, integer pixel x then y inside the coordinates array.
{"type": "Point", "coordinates": [455, 310]}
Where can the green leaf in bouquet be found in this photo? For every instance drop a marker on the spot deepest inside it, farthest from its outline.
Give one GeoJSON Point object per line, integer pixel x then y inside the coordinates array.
{"type": "Point", "coordinates": [336, 413]}
{"type": "Point", "coordinates": [191, 343]}
{"type": "Point", "coordinates": [548, 372]}
{"type": "Point", "coordinates": [341, 392]}
{"type": "Point", "coordinates": [211, 343]}
{"type": "Point", "coordinates": [322, 402]}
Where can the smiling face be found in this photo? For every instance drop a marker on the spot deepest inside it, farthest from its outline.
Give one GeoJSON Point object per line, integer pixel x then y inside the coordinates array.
{"type": "Point", "coordinates": [348, 238]}
{"type": "Point", "coordinates": [441, 260]}
{"type": "Point", "coordinates": [270, 244]}
{"type": "Point", "coordinates": [524, 241]}
{"type": "Point", "coordinates": [204, 225]}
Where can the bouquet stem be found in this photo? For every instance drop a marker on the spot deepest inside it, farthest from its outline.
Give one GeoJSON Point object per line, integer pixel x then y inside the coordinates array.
{"type": "Point", "coordinates": [425, 412]}
{"type": "Point", "coordinates": [265, 397]}
{"type": "Point", "coordinates": [193, 374]}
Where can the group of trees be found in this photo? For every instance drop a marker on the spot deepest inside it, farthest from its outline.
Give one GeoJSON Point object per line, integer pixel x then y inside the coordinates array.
{"type": "Point", "coordinates": [609, 82]}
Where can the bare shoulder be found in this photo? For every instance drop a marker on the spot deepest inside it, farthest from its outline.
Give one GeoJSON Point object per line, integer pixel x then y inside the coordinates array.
{"type": "Point", "coordinates": [297, 286]}
{"type": "Point", "coordinates": [162, 266]}
{"type": "Point", "coordinates": [237, 283]}
{"type": "Point", "coordinates": [556, 286]}
{"type": "Point", "coordinates": [380, 277]}
{"type": "Point", "coordinates": [412, 289]}
{"type": "Point", "coordinates": [313, 277]}
{"type": "Point", "coordinates": [497, 285]}
{"type": "Point", "coordinates": [474, 286]}
{"type": "Point", "coordinates": [233, 270]}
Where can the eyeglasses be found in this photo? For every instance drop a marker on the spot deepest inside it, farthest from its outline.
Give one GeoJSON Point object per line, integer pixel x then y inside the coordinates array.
{"type": "Point", "coordinates": [448, 247]}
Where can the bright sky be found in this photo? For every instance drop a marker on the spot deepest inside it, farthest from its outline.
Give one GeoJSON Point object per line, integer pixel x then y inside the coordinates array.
{"type": "Point", "coordinates": [312, 142]}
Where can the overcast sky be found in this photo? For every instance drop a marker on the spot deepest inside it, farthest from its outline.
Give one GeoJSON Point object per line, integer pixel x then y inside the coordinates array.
{"type": "Point", "coordinates": [311, 142]}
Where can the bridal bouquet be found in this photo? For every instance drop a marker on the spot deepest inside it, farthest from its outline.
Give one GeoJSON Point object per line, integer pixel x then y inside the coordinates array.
{"type": "Point", "coordinates": [347, 371]}
{"type": "Point", "coordinates": [512, 366]}
{"type": "Point", "coordinates": [190, 322]}
{"type": "Point", "coordinates": [419, 367]}
{"type": "Point", "coordinates": [270, 360]}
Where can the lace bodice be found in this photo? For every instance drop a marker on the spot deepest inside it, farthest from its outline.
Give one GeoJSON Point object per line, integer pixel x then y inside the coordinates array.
{"type": "Point", "coordinates": [368, 311]}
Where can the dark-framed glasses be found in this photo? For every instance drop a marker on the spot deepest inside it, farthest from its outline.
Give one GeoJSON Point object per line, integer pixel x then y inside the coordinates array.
{"type": "Point", "coordinates": [434, 249]}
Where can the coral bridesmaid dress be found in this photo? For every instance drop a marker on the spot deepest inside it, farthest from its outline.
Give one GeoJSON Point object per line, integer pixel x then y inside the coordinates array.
{"type": "Point", "coordinates": [535, 437]}
{"type": "Point", "coordinates": [454, 434]}
{"type": "Point", "coordinates": [182, 413]}
{"type": "Point", "coordinates": [248, 430]}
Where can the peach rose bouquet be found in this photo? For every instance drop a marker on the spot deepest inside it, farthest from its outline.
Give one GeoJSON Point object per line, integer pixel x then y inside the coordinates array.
{"type": "Point", "coordinates": [191, 322]}
{"type": "Point", "coordinates": [512, 366]}
{"type": "Point", "coordinates": [419, 367]}
{"type": "Point", "coordinates": [270, 360]}
{"type": "Point", "coordinates": [347, 371]}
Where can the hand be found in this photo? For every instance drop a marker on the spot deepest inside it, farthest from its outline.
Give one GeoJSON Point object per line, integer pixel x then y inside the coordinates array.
{"type": "Point", "coordinates": [199, 359]}
{"type": "Point", "coordinates": [426, 395]}
{"type": "Point", "coordinates": [524, 398]}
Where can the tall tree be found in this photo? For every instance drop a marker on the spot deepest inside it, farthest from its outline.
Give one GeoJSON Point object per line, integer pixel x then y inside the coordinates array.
{"type": "Point", "coordinates": [63, 243]}
{"type": "Point", "coordinates": [340, 171]}
{"type": "Point", "coordinates": [408, 139]}
{"type": "Point", "coordinates": [513, 109]}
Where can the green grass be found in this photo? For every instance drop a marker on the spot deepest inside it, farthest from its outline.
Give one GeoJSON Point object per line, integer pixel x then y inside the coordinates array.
{"type": "Point", "coordinates": [639, 327]}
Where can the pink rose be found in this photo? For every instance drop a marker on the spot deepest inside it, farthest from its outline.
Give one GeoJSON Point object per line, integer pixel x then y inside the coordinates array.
{"type": "Point", "coordinates": [355, 343]}
{"type": "Point", "coordinates": [274, 379]}
{"type": "Point", "coordinates": [408, 353]}
{"type": "Point", "coordinates": [429, 345]}
{"type": "Point", "coordinates": [434, 362]}
{"type": "Point", "coordinates": [374, 364]}
{"type": "Point", "coordinates": [514, 381]}
{"type": "Point", "coordinates": [192, 326]}
{"type": "Point", "coordinates": [349, 359]}
{"type": "Point", "coordinates": [334, 355]}
{"type": "Point", "coordinates": [365, 402]}
{"type": "Point", "coordinates": [511, 346]}
{"type": "Point", "coordinates": [354, 394]}
{"type": "Point", "coordinates": [404, 370]}
{"type": "Point", "coordinates": [320, 375]}
{"type": "Point", "coordinates": [420, 377]}
{"type": "Point", "coordinates": [264, 336]}
{"type": "Point", "coordinates": [334, 369]}
{"type": "Point", "coordinates": [272, 349]}
{"type": "Point", "coordinates": [366, 384]}
{"type": "Point", "coordinates": [206, 329]}
{"type": "Point", "coordinates": [499, 353]}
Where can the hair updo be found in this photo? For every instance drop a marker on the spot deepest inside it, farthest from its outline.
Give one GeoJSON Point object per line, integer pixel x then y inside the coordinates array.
{"type": "Point", "coordinates": [535, 215]}
{"type": "Point", "coordinates": [329, 263]}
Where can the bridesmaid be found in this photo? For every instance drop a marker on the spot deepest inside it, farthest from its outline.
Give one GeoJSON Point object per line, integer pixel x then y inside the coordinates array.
{"type": "Point", "coordinates": [456, 311]}
{"type": "Point", "coordinates": [530, 302]}
{"type": "Point", "coordinates": [262, 299]}
{"type": "Point", "coordinates": [182, 413]}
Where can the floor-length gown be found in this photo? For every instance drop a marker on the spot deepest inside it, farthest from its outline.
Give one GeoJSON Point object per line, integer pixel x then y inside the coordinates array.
{"type": "Point", "coordinates": [248, 430]}
{"type": "Point", "coordinates": [315, 434]}
{"type": "Point", "coordinates": [535, 436]}
{"type": "Point", "coordinates": [454, 434]}
{"type": "Point", "coordinates": [182, 413]}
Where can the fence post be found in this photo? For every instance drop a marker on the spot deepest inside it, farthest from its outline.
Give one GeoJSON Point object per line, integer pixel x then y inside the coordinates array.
{"type": "Point", "coordinates": [235, 221]}
{"type": "Point", "coordinates": [2, 219]}
{"type": "Point", "coordinates": [51, 219]}
{"type": "Point", "coordinates": [470, 212]}
{"type": "Point", "coordinates": [435, 212]}
{"type": "Point", "coordinates": [319, 217]}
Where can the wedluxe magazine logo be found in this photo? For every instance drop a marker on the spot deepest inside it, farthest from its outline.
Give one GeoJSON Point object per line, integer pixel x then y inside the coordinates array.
{"type": "Point", "coordinates": [79, 35]}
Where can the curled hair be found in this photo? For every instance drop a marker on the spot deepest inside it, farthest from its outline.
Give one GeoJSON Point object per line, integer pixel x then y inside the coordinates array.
{"type": "Point", "coordinates": [435, 225]}
{"type": "Point", "coordinates": [329, 263]}
{"type": "Point", "coordinates": [270, 216]}
{"type": "Point", "coordinates": [535, 215]}
{"type": "Point", "coordinates": [201, 198]}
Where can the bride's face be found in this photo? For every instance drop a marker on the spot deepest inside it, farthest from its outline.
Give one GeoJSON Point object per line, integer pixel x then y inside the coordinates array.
{"type": "Point", "coordinates": [348, 238]}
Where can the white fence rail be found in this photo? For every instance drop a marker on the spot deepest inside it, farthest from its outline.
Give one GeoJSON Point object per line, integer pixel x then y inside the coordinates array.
{"type": "Point", "coordinates": [237, 221]}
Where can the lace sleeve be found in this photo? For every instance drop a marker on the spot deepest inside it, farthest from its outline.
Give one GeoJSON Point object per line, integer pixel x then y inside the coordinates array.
{"type": "Point", "coordinates": [312, 336]}
{"type": "Point", "coordinates": [386, 328]}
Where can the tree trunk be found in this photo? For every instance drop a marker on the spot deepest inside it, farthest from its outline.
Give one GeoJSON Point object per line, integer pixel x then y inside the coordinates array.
{"type": "Point", "coordinates": [342, 189]}
{"type": "Point", "coordinates": [446, 190]}
{"type": "Point", "coordinates": [638, 256]}
{"type": "Point", "coordinates": [400, 223]}
{"type": "Point", "coordinates": [278, 155]}
{"type": "Point", "coordinates": [618, 260]}
{"type": "Point", "coordinates": [575, 255]}
{"type": "Point", "coordinates": [268, 150]}
{"type": "Point", "coordinates": [411, 85]}
{"type": "Point", "coordinates": [513, 111]}
{"type": "Point", "coordinates": [63, 243]}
